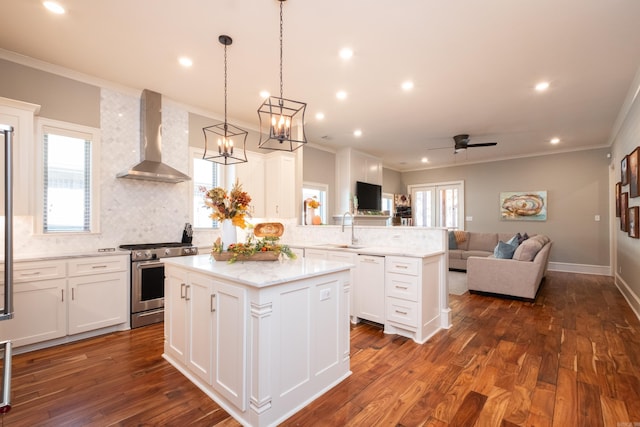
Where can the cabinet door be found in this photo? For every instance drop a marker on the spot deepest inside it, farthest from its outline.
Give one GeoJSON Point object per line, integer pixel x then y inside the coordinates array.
{"type": "Point", "coordinates": [200, 306]}
{"type": "Point", "coordinates": [369, 295]}
{"type": "Point", "coordinates": [280, 178]}
{"type": "Point", "coordinates": [175, 313]}
{"type": "Point", "coordinates": [97, 301]}
{"type": "Point", "coordinates": [251, 176]}
{"type": "Point", "coordinates": [39, 312]}
{"type": "Point", "coordinates": [353, 259]}
{"type": "Point", "coordinates": [229, 346]}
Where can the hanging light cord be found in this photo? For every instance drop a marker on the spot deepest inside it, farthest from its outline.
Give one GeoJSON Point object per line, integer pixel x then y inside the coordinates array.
{"type": "Point", "coordinates": [225, 91]}
{"type": "Point", "coordinates": [281, 91]}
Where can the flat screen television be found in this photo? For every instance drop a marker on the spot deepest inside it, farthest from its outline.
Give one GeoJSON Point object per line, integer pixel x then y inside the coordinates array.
{"type": "Point", "coordinates": [369, 196]}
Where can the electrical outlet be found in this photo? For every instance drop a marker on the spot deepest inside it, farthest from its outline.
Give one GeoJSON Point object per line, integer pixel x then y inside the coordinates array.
{"type": "Point", "coordinates": [325, 294]}
{"type": "Point", "coordinates": [597, 217]}
{"type": "Point", "coordinates": [469, 218]}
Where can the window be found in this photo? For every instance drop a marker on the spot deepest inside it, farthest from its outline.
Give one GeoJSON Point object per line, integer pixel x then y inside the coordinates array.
{"type": "Point", "coordinates": [438, 205]}
{"type": "Point", "coordinates": [319, 191]}
{"type": "Point", "coordinates": [69, 201]}
{"type": "Point", "coordinates": [205, 175]}
{"type": "Point", "coordinates": [387, 205]}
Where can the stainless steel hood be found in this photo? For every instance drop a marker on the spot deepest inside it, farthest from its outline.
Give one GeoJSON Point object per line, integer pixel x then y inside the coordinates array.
{"type": "Point", "coordinates": [151, 167]}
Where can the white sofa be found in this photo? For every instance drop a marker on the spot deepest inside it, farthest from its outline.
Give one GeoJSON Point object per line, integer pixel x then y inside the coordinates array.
{"type": "Point", "coordinates": [518, 277]}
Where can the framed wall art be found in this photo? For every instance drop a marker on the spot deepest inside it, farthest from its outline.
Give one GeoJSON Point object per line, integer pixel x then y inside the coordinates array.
{"type": "Point", "coordinates": [634, 176]}
{"type": "Point", "coordinates": [624, 170]}
{"type": "Point", "coordinates": [523, 205]}
{"type": "Point", "coordinates": [624, 211]}
{"type": "Point", "coordinates": [633, 222]}
{"type": "Point", "coordinates": [618, 192]}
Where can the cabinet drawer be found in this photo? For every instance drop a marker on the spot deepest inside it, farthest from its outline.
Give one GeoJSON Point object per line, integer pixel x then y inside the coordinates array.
{"type": "Point", "coordinates": [402, 286]}
{"type": "Point", "coordinates": [30, 271]}
{"type": "Point", "coordinates": [402, 265]}
{"type": "Point", "coordinates": [97, 265]}
{"type": "Point", "coordinates": [403, 312]}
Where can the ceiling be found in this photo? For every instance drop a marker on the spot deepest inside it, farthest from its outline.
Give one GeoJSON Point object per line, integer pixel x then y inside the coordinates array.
{"type": "Point", "coordinates": [474, 65]}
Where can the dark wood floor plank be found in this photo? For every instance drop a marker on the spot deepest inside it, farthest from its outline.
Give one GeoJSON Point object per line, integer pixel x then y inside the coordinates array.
{"type": "Point", "coordinates": [570, 357]}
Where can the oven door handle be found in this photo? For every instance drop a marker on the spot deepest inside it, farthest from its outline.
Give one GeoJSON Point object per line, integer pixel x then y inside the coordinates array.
{"type": "Point", "coordinates": [142, 265]}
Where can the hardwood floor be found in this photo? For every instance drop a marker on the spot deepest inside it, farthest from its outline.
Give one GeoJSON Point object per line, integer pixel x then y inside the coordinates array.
{"type": "Point", "coordinates": [571, 358]}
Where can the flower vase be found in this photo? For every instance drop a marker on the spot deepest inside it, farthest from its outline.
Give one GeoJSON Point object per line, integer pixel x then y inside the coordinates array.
{"type": "Point", "coordinates": [228, 233]}
{"type": "Point", "coordinates": [309, 214]}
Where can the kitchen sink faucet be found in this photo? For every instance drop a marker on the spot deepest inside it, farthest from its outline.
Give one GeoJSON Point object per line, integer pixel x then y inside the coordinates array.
{"type": "Point", "coordinates": [353, 236]}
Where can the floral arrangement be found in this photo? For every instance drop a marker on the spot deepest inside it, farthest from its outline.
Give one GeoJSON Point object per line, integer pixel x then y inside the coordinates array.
{"type": "Point", "coordinates": [253, 246]}
{"type": "Point", "coordinates": [233, 206]}
{"type": "Point", "coordinates": [313, 203]}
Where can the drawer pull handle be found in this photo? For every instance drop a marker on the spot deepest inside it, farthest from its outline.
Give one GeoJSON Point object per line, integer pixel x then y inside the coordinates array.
{"type": "Point", "coordinates": [186, 293]}
{"type": "Point", "coordinates": [35, 273]}
{"type": "Point", "coordinates": [183, 292]}
{"type": "Point", "coordinates": [401, 312]}
{"type": "Point", "coordinates": [213, 303]}
{"type": "Point", "coordinates": [62, 294]}
{"type": "Point", "coordinates": [402, 266]}
{"type": "Point", "coordinates": [99, 266]}
{"type": "Point", "coordinates": [402, 287]}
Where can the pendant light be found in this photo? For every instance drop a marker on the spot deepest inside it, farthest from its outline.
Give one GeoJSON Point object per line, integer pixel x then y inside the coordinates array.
{"type": "Point", "coordinates": [230, 139]}
{"type": "Point", "coordinates": [281, 120]}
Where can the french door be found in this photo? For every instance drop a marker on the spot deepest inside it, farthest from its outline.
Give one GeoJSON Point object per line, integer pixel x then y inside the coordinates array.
{"type": "Point", "coordinates": [438, 205]}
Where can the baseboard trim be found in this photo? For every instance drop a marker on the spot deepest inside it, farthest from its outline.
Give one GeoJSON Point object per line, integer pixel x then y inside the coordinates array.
{"type": "Point", "coordinates": [632, 299]}
{"type": "Point", "coordinates": [600, 270]}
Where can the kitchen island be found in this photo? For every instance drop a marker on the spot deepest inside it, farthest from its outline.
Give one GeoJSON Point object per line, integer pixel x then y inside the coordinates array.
{"type": "Point", "coordinates": [262, 339]}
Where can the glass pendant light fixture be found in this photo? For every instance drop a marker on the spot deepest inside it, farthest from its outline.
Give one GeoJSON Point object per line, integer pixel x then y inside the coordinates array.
{"type": "Point", "coordinates": [230, 139]}
{"type": "Point", "coordinates": [281, 120]}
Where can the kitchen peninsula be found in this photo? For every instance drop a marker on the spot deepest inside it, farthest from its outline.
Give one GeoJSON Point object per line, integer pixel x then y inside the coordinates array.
{"type": "Point", "coordinates": [262, 339]}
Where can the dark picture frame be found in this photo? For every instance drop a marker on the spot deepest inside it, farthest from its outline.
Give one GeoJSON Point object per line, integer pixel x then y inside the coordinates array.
{"type": "Point", "coordinates": [624, 212]}
{"type": "Point", "coordinates": [633, 222]}
{"type": "Point", "coordinates": [634, 173]}
{"type": "Point", "coordinates": [618, 192]}
{"type": "Point", "coordinates": [624, 170]}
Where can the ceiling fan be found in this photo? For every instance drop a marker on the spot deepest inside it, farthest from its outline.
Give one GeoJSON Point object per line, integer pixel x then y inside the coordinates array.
{"type": "Point", "coordinates": [462, 143]}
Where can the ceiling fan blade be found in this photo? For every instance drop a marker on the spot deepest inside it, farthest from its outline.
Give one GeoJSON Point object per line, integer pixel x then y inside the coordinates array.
{"type": "Point", "coordinates": [482, 144]}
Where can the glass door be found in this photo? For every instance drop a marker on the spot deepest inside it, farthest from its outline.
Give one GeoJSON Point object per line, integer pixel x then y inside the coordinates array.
{"type": "Point", "coordinates": [438, 205]}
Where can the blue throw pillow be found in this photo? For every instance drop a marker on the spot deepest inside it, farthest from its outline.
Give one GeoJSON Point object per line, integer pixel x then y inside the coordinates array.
{"type": "Point", "coordinates": [504, 250]}
{"type": "Point", "coordinates": [452, 241]}
{"type": "Point", "coordinates": [515, 240]}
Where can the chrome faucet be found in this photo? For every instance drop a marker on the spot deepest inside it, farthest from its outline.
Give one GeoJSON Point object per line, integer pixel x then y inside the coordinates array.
{"type": "Point", "coordinates": [353, 237]}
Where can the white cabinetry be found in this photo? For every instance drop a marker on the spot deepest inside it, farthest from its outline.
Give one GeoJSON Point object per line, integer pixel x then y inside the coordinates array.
{"type": "Point", "coordinates": [280, 188]}
{"type": "Point", "coordinates": [98, 289]}
{"type": "Point", "coordinates": [205, 330]}
{"type": "Point", "coordinates": [252, 177]}
{"type": "Point", "coordinates": [54, 299]}
{"type": "Point", "coordinates": [369, 289]}
{"type": "Point", "coordinates": [39, 303]}
{"type": "Point", "coordinates": [20, 115]}
{"type": "Point", "coordinates": [413, 296]}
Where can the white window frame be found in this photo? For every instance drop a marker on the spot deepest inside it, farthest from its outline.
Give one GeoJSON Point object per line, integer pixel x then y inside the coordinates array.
{"type": "Point", "coordinates": [436, 186]}
{"type": "Point", "coordinates": [198, 153]}
{"type": "Point", "coordinates": [324, 208]}
{"type": "Point", "coordinates": [44, 125]}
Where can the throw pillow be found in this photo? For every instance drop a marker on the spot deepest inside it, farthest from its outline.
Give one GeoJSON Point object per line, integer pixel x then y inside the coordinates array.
{"type": "Point", "coordinates": [452, 241]}
{"type": "Point", "coordinates": [515, 240]}
{"type": "Point", "coordinates": [504, 250]}
{"type": "Point", "coordinates": [461, 236]}
{"type": "Point", "coordinates": [528, 250]}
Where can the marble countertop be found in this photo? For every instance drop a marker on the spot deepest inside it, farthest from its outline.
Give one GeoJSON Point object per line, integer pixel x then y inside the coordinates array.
{"type": "Point", "coordinates": [64, 255]}
{"type": "Point", "coordinates": [259, 274]}
{"type": "Point", "coordinates": [370, 250]}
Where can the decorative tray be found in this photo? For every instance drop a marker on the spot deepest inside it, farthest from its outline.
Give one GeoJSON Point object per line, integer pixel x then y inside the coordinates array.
{"type": "Point", "coordinates": [258, 256]}
{"type": "Point", "coordinates": [268, 229]}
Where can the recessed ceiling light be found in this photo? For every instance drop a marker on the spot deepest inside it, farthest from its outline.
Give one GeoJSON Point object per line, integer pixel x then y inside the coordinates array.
{"type": "Point", "coordinates": [357, 133]}
{"type": "Point", "coordinates": [346, 53]}
{"type": "Point", "coordinates": [264, 94]}
{"type": "Point", "coordinates": [185, 62]}
{"type": "Point", "coordinates": [320, 116]}
{"type": "Point", "coordinates": [408, 85]}
{"type": "Point", "coordinates": [54, 7]}
{"type": "Point", "coordinates": [542, 86]}
{"type": "Point", "coordinates": [341, 94]}
{"type": "Point", "coordinates": [424, 160]}
{"type": "Point", "coordinates": [554, 140]}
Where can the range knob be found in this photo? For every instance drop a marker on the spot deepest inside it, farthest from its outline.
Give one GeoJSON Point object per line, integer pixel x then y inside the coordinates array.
{"type": "Point", "coordinates": [167, 251]}
{"type": "Point", "coordinates": [147, 254]}
{"type": "Point", "coordinates": [138, 255]}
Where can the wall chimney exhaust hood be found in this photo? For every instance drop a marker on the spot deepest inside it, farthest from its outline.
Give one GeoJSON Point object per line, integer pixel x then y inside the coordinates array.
{"type": "Point", "coordinates": [151, 167]}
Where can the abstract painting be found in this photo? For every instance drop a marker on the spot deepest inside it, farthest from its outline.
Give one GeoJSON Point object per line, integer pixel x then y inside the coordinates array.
{"type": "Point", "coordinates": [523, 205]}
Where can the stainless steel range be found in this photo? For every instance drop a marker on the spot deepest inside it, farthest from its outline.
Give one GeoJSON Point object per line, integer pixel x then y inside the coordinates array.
{"type": "Point", "coordinates": [147, 279]}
